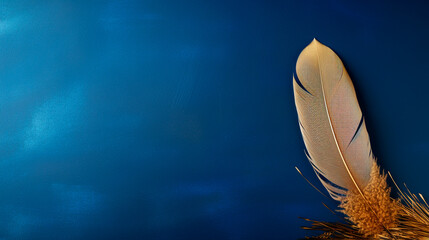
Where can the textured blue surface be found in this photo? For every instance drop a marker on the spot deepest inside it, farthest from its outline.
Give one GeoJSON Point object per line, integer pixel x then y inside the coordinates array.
{"type": "Point", "coordinates": [175, 119]}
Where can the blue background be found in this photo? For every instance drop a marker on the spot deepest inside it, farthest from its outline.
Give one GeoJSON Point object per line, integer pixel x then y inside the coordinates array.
{"type": "Point", "coordinates": [175, 119]}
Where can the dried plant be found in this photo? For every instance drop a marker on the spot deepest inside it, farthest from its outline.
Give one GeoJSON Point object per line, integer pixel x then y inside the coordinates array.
{"type": "Point", "coordinates": [412, 222]}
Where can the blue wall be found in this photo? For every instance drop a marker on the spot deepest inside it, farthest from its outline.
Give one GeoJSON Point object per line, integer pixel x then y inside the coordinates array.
{"type": "Point", "coordinates": [175, 119]}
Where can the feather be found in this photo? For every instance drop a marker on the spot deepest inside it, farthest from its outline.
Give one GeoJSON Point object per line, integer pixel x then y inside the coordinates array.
{"type": "Point", "coordinates": [331, 121]}
{"type": "Point", "coordinates": [337, 142]}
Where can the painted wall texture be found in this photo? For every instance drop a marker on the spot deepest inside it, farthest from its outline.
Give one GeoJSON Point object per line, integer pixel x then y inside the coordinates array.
{"type": "Point", "coordinates": [174, 120]}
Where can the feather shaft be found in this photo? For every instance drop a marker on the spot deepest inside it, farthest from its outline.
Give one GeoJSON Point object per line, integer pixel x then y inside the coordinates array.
{"type": "Point", "coordinates": [334, 134]}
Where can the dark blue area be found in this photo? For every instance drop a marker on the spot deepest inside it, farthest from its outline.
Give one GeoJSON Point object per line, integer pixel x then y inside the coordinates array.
{"type": "Point", "coordinates": [175, 119]}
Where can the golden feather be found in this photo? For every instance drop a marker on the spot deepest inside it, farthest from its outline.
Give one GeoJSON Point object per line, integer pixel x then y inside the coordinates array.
{"type": "Point", "coordinates": [331, 121]}
{"type": "Point", "coordinates": [337, 142]}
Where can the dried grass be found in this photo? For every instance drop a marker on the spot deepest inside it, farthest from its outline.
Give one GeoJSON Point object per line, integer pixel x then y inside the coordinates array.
{"type": "Point", "coordinates": [404, 218]}
{"type": "Point", "coordinates": [377, 211]}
